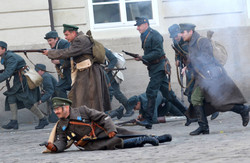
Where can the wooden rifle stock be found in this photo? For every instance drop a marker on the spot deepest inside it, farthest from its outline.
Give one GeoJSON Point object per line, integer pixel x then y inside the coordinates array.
{"type": "Point", "coordinates": [136, 56]}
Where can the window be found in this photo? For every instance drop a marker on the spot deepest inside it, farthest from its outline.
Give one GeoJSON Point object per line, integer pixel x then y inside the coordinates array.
{"type": "Point", "coordinates": [118, 13]}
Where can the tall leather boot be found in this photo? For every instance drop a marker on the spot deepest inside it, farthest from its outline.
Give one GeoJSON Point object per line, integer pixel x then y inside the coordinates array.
{"type": "Point", "coordinates": [202, 121]}
{"type": "Point", "coordinates": [183, 109]}
{"type": "Point", "coordinates": [243, 110]}
{"type": "Point", "coordinates": [116, 113]}
{"type": "Point", "coordinates": [13, 124]}
{"type": "Point", "coordinates": [148, 122]}
{"type": "Point", "coordinates": [140, 142]}
{"type": "Point", "coordinates": [164, 138]}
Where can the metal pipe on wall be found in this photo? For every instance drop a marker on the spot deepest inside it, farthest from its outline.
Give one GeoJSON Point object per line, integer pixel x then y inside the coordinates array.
{"type": "Point", "coordinates": [52, 26]}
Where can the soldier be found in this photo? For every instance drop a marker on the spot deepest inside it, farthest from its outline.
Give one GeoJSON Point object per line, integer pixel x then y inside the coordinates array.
{"type": "Point", "coordinates": [62, 65]}
{"type": "Point", "coordinates": [112, 60]}
{"type": "Point", "coordinates": [19, 95]}
{"type": "Point", "coordinates": [47, 90]}
{"type": "Point", "coordinates": [89, 85]}
{"type": "Point", "coordinates": [95, 130]}
{"type": "Point", "coordinates": [152, 44]}
{"type": "Point", "coordinates": [212, 84]}
{"type": "Point", "coordinates": [162, 108]}
{"type": "Point", "coordinates": [181, 55]}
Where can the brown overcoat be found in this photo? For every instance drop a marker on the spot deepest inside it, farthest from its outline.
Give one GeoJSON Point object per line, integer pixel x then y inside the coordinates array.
{"type": "Point", "coordinates": [219, 90]}
{"type": "Point", "coordinates": [90, 87]}
{"type": "Point", "coordinates": [87, 115]}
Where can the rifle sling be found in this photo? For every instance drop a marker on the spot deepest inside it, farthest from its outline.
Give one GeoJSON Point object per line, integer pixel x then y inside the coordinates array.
{"type": "Point", "coordinates": [179, 80]}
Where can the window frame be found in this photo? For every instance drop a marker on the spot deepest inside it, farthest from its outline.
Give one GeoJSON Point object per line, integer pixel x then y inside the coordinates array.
{"type": "Point", "coordinates": [124, 23]}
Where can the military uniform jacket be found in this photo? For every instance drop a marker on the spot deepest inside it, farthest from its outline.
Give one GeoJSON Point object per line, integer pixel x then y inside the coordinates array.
{"type": "Point", "coordinates": [218, 88]}
{"type": "Point", "coordinates": [65, 63]}
{"type": "Point", "coordinates": [26, 97]}
{"type": "Point", "coordinates": [48, 86]}
{"type": "Point", "coordinates": [90, 87]}
{"type": "Point", "coordinates": [152, 44]}
{"type": "Point", "coordinates": [87, 115]}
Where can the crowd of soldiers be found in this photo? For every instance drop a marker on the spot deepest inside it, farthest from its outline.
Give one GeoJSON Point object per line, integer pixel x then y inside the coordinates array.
{"type": "Point", "coordinates": [82, 95]}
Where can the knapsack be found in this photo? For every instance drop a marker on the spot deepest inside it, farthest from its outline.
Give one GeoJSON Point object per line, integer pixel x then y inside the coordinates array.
{"type": "Point", "coordinates": [98, 49]}
{"type": "Point", "coordinates": [219, 51]}
{"type": "Point", "coordinates": [120, 60]}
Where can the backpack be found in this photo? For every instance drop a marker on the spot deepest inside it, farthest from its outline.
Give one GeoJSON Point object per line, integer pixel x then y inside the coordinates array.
{"type": "Point", "coordinates": [98, 49]}
{"type": "Point", "coordinates": [219, 51]}
{"type": "Point", "coordinates": [120, 60]}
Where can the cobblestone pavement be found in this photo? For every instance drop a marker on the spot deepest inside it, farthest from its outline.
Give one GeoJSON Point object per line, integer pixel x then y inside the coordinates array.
{"type": "Point", "coordinates": [228, 141]}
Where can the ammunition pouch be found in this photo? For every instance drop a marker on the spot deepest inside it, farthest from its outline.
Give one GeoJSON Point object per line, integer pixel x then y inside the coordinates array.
{"type": "Point", "coordinates": [83, 65]}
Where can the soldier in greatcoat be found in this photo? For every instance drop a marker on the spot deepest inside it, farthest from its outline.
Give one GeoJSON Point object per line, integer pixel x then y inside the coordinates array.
{"type": "Point", "coordinates": [214, 90]}
{"type": "Point", "coordinates": [89, 85]}
{"type": "Point", "coordinates": [93, 130]}
{"type": "Point", "coordinates": [19, 95]}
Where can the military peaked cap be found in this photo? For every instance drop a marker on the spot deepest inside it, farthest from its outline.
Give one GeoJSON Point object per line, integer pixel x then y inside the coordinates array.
{"type": "Point", "coordinates": [51, 34]}
{"type": "Point", "coordinates": [132, 101]}
{"type": "Point", "coordinates": [67, 27]}
{"type": "Point", "coordinates": [141, 20]}
{"type": "Point", "coordinates": [3, 44]}
{"type": "Point", "coordinates": [59, 101]}
{"type": "Point", "coordinates": [174, 30]}
{"type": "Point", "coordinates": [187, 26]}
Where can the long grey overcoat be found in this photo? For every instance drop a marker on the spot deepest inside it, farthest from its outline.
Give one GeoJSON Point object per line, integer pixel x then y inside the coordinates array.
{"type": "Point", "coordinates": [220, 92]}
{"type": "Point", "coordinates": [90, 87]}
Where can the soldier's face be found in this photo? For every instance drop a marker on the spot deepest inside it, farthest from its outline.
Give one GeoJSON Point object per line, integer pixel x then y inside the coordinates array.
{"type": "Point", "coordinates": [2, 51]}
{"type": "Point", "coordinates": [62, 111]}
{"type": "Point", "coordinates": [142, 28]}
{"type": "Point", "coordinates": [70, 35]}
{"type": "Point", "coordinates": [186, 35]}
{"type": "Point", "coordinates": [178, 37]}
{"type": "Point", "coordinates": [52, 42]}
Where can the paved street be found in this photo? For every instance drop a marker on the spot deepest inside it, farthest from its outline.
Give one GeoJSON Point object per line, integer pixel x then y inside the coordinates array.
{"type": "Point", "coordinates": [228, 141]}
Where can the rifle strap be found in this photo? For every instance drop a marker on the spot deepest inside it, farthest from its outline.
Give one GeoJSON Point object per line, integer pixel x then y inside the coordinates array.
{"type": "Point", "coordinates": [179, 80]}
{"type": "Point", "coordinates": [34, 64]}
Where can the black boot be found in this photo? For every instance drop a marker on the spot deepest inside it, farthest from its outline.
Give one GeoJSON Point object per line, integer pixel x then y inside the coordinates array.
{"type": "Point", "coordinates": [243, 110]}
{"type": "Point", "coordinates": [164, 138]}
{"type": "Point", "coordinates": [42, 123]}
{"type": "Point", "coordinates": [183, 110]}
{"type": "Point", "coordinates": [13, 124]}
{"type": "Point", "coordinates": [214, 115]}
{"type": "Point", "coordinates": [149, 113]}
{"type": "Point", "coordinates": [140, 142]}
{"type": "Point", "coordinates": [202, 121]}
{"type": "Point", "coordinates": [116, 113]}
{"type": "Point", "coordinates": [145, 123]}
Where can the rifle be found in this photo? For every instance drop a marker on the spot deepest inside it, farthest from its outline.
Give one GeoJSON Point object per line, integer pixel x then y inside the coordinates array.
{"type": "Point", "coordinates": [179, 72]}
{"type": "Point", "coordinates": [29, 51]}
{"type": "Point", "coordinates": [125, 122]}
{"type": "Point", "coordinates": [136, 56]}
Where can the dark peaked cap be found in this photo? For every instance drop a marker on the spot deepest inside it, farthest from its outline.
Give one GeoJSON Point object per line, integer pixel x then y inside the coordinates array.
{"type": "Point", "coordinates": [187, 26]}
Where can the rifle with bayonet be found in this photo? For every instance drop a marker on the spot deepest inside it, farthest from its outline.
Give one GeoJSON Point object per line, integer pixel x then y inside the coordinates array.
{"type": "Point", "coordinates": [136, 56]}
{"type": "Point", "coordinates": [179, 72]}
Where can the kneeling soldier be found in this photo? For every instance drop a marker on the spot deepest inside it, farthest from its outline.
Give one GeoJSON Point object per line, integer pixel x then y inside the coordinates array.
{"type": "Point", "coordinates": [93, 130]}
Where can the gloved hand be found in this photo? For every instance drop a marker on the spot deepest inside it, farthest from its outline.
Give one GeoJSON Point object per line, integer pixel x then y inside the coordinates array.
{"type": "Point", "coordinates": [51, 146]}
{"type": "Point", "coordinates": [111, 134]}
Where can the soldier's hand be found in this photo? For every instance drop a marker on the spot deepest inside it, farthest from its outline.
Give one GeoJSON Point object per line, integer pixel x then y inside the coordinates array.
{"type": "Point", "coordinates": [111, 134]}
{"type": "Point", "coordinates": [138, 58]}
{"type": "Point", "coordinates": [45, 52]}
{"type": "Point", "coordinates": [51, 146]}
{"type": "Point", "coordinates": [55, 61]}
{"type": "Point", "coordinates": [177, 63]}
{"type": "Point", "coordinates": [183, 72]}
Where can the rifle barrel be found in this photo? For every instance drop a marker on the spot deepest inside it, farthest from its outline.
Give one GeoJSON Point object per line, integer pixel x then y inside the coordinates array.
{"type": "Point", "coordinates": [28, 51]}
